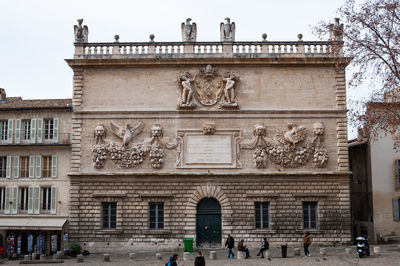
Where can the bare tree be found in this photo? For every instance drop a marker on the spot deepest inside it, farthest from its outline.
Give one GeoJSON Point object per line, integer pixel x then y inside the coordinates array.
{"type": "Point", "coordinates": [372, 40]}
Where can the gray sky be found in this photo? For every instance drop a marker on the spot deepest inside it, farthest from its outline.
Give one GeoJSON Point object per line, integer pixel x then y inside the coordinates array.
{"type": "Point", "coordinates": [36, 36]}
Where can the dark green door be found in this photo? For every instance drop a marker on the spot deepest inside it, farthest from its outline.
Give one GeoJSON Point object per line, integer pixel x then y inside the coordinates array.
{"type": "Point", "coordinates": [208, 223]}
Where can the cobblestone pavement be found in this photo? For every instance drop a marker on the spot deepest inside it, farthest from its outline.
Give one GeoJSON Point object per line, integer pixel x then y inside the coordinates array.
{"type": "Point", "coordinates": [390, 256]}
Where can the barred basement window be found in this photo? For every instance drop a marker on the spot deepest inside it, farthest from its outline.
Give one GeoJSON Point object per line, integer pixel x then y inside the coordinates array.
{"type": "Point", "coordinates": [24, 166]}
{"type": "Point", "coordinates": [26, 129]}
{"type": "Point", "coordinates": [109, 215]}
{"type": "Point", "coordinates": [46, 199]}
{"type": "Point", "coordinates": [3, 129]}
{"type": "Point", "coordinates": [156, 215]}
{"type": "Point", "coordinates": [396, 209]}
{"type": "Point", "coordinates": [48, 128]}
{"type": "Point", "coordinates": [3, 166]}
{"type": "Point", "coordinates": [261, 215]}
{"type": "Point", "coordinates": [309, 215]}
{"type": "Point", "coordinates": [24, 198]}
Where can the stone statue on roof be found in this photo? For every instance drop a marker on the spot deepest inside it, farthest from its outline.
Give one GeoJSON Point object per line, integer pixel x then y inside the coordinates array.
{"type": "Point", "coordinates": [227, 31]}
{"type": "Point", "coordinates": [81, 32]}
{"type": "Point", "coordinates": [189, 31]}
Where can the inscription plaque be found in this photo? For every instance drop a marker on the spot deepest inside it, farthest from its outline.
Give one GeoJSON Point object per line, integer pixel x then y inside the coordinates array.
{"type": "Point", "coordinates": [208, 149]}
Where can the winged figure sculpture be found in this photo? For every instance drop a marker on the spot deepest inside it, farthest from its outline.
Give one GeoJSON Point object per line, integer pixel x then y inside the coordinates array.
{"type": "Point", "coordinates": [294, 135]}
{"type": "Point", "coordinates": [127, 133]}
{"type": "Point", "coordinates": [189, 31]}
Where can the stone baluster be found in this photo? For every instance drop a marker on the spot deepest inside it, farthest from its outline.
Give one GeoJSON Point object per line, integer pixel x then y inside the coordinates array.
{"type": "Point", "coordinates": [300, 45]}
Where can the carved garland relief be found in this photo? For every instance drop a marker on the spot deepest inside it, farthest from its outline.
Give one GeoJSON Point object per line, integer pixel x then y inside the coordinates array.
{"type": "Point", "coordinates": [208, 87]}
{"type": "Point", "coordinates": [126, 155]}
{"type": "Point", "coordinates": [290, 153]}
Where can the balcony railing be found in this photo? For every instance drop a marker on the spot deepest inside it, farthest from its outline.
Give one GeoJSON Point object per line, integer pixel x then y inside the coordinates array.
{"type": "Point", "coordinates": [206, 49]}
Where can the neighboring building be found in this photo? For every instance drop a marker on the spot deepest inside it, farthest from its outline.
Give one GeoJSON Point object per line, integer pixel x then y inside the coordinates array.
{"type": "Point", "coordinates": [196, 140]}
{"type": "Point", "coordinates": [34, 161]}
{"type": "Point", "coordinates": [361, 188]}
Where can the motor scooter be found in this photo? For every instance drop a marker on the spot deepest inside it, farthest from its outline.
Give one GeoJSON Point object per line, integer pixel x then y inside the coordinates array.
{"type": "Point", "coordinates": [362, 246]}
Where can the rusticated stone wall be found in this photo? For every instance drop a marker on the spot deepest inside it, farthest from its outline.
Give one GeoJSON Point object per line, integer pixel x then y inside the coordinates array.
{"type": "Point", "coordinates": [180, 194]}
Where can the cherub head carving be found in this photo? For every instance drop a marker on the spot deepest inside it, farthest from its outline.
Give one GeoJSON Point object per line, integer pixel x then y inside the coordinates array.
{"type": "Point", "coordinates": [156, 131]}
{"type": "Point", "coordinates": [209, 128]}
{"type": "Point", "coordinates": [260, 130]}
{"type": "Point", "coordinates": [99, 133]}
{"type": "Point", "coordinates": [318, 128]}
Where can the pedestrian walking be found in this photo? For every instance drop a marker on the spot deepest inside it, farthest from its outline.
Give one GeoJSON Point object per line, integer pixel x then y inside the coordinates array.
{"type": "Point", "coordinates": [230, 243]}
{"type": "Point", "coordinates": [264, 247]}
{"type": "Point", "coordinates": [172, 260]}
{"type": "Point", "coordinates": [199, 261]}
{"type": "Point", "coordinates": [307, 243]}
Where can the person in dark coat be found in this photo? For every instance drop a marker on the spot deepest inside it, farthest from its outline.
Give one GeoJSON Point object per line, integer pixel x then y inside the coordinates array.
{"type": "Point", "coordinates": [230, 243]}
{"type": "Point", "coordinates": [264, 247]}
{"type": "Point", "coordinates": [172, 261]}
{"type": "Point", "coordinates": [199, 261]}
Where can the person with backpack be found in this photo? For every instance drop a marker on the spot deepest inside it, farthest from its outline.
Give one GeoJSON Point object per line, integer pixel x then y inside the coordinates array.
{"type": "Point", "coordinates": [230, 243]}
{"type": "Point", "coordinates": [172, 260]}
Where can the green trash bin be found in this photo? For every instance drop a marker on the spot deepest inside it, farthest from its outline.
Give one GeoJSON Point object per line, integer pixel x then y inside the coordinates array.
{"type": "Point", "coordinates": [188, 244]}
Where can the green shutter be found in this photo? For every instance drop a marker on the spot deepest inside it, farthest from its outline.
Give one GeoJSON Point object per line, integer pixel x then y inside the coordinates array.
{"type": "Point", "coordinates": [38, 168]}
{"type": "Point", "coordinates": [14, 207]}
{"type": "Point", "coordinates": [33, 131]}
{"type": "Point", "coordinates": [36, 200]}
{"type": "Point", "coordinates": [39, 130]}
{"type": "Point", "coordinates": [31, 191]}
{"type": "Point", "coordinates": [16, 167]}
{"type": "Point", "coordinates": [18, 131]}
{"type": "Point", "coordinates": [54, 166]}
{"type": "Point", "coordinates": [53, 209]}
{"type": "Point", "coordinates": [10, 131]}
{"type": "Point", "coordinates": [7, 201]}
{"type": "Point", "coordinates": [55, 130]}
{"type": "Point", "coordinates": [8, 167]}
{"type": "Point", "coordinates": [31, 166]}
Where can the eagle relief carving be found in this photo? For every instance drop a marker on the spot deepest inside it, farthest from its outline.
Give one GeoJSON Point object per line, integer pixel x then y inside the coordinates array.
{"type": "Point", "coordinates": [294, 150]}
{"type": "Point", "coordinates": [126, 154]}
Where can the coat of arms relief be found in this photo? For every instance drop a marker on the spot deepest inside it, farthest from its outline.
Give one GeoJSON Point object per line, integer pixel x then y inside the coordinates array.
{"type": "Point", "coordinates": [208, 87]}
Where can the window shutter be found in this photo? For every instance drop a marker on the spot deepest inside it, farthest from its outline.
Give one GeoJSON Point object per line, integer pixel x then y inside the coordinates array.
{"type": "Point", "coordinates": [53, 209]}
{"type": "Point", "coordinates": [54, 166]}
{"type": "Point", "coordinates": [33, 131]}
{"type": "Point", "coordinates": [7, 201]}
{"type": "Point", "coordinates": [31, 166]}
{"type": "Point", "coordinates": [395, 209]}
{"type": "Point", "coordinates": [36, 200]}
{"type": "Point", "coordinates": [55, 130]}
{"type": "Point", "coordinates": [16, 166]}
{"type": "Point", "coordinates": [39, 130]}
{"type": "Point", "coordinates": [18, 131]}
{"type": "Point", "coordinates": [31, 191]}
{"type": "Point", "coordinates": [8, 167]}
{"type": "Point", "coordinates": [14, 209]}
{"type": "Point", "coordinates": [397, 167]}
{"type": "Point", "coordinates": [38, 171]}
{"type": "Point", "coordinates": [10, 131]}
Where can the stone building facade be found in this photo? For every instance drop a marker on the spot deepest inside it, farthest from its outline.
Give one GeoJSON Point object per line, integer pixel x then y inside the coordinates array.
{"type": "Point", "coordinates": [34, 185]}
{"type": "Point", "coordinates": [196, 140]}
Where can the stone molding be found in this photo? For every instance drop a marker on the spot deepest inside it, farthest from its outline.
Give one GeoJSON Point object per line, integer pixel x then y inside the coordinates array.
{"type": "Point", "coordinates": [109, 195]}
{"type": "Point", "coordinates": [155, 195]}
{"type": "Point", "coordinates": [262, 195]}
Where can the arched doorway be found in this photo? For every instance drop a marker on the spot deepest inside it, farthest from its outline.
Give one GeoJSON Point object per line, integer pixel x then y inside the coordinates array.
{"type": "Point", "coordinates": [208, 223]}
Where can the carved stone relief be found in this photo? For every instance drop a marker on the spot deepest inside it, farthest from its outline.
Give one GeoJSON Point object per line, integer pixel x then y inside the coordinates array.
{"type": "Point", "coordinates": [126, 155]}
{"type": "Point", "coordinates": [208, 87]}
{"type": "Point", "coordinates": [290, 153]}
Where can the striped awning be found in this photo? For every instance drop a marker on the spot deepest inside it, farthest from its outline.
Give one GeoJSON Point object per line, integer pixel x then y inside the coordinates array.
{"type": "Point", "coordinates": [32, 223]}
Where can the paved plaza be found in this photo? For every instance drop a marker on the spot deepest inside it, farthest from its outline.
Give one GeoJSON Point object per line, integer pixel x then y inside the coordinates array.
{"type": "Point", "coordinates": [389, 255]}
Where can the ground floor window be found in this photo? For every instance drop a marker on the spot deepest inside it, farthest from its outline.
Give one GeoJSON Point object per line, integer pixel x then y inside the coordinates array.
{"type": "Point", "coordinates": [156, 215]}
{"type": "Point", "coordinates": [309, 215]}
{"type": "Point", "coordinates": [396, 209]}
{"type": "Point", "coordinates": [261, 215]}
{"type": "Point", "coordinates": [109, 215]}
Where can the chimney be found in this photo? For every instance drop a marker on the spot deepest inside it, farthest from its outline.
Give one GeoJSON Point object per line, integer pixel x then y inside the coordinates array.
{"type": "Point", "coordinates": [3, 95]}
{"type": "Point", "coordinates": [360, 134]}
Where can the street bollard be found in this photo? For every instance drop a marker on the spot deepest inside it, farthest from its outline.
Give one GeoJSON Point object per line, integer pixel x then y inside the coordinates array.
{"type": "Point", "coordinates": [377, 250]}
{"type": "Point", "coordinates": [42, 257]}
{"type": "Point", "coordinates": [213, 255]}
{"type": "Point", "coordinates": [159, 256]}
{"type": "Point", "coordinates": [27, 257]}
{"type": "Point", "coordinates": [241, 255]}
{"type": "Point", "coordinates": [322, 251]}
{"type": "Point", "coordinates": [267, 254]}
{"type": "Point", "coordinates": [107, 257]}
{"type": "Point", "coordinates": [132, 256]}
{"type": "Point", "coordinates": [186, 256]}
{"type": "Point", "coordinates": [347, 250]}
{"type": "Point", "coordinates": [296, 252]}
{"type": "Point", "coordinates": [79, 258]}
